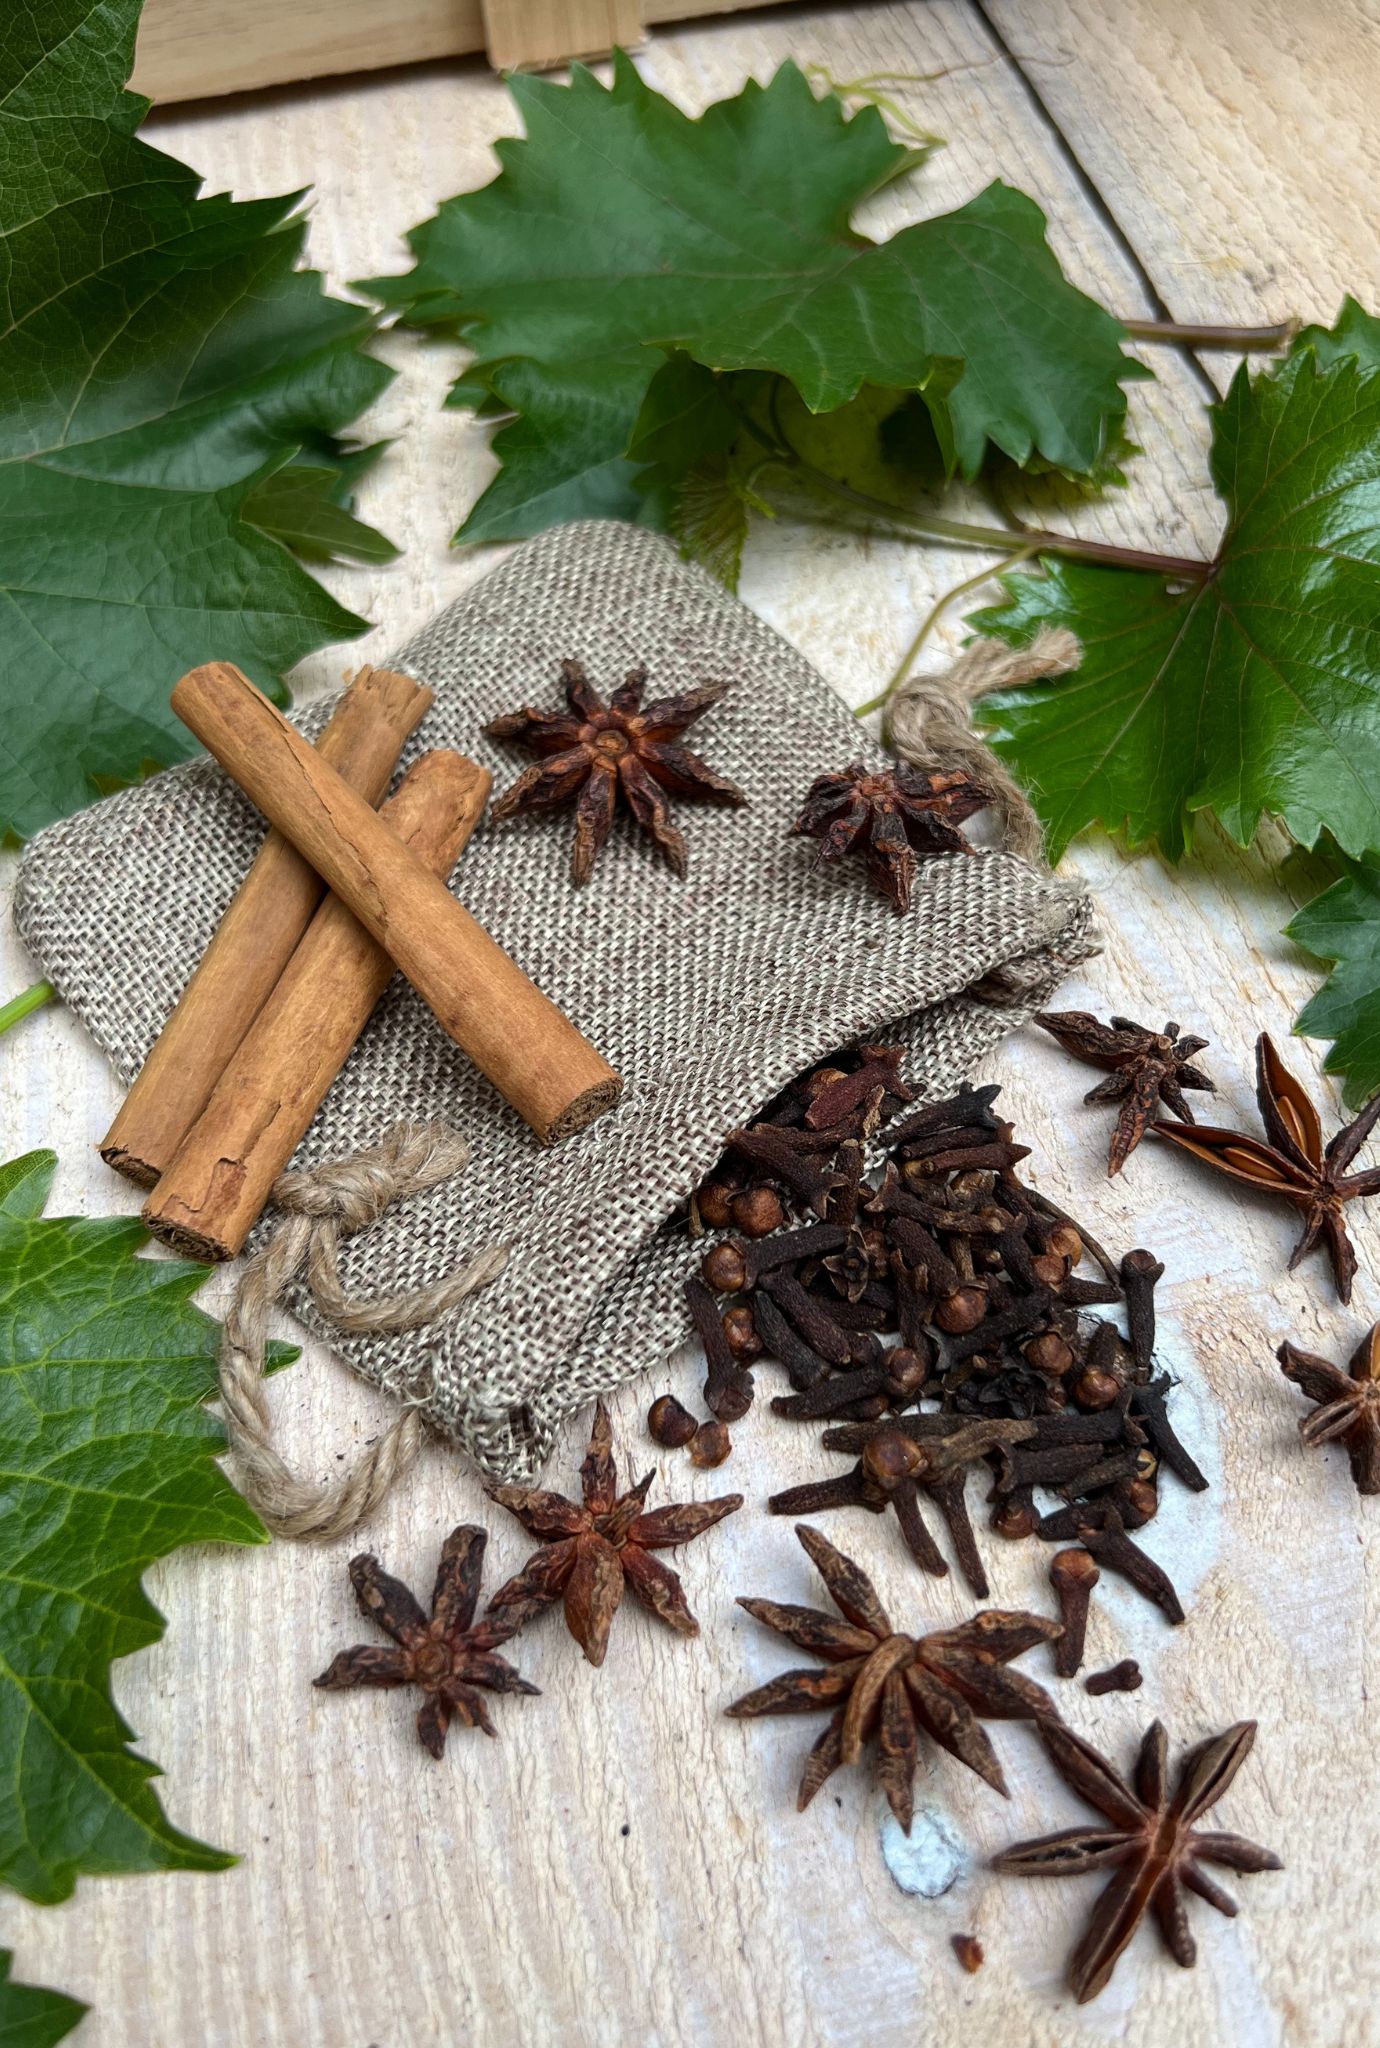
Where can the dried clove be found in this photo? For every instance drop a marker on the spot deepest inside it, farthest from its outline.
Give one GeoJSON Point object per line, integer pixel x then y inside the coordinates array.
{"type": "Point", "coordinates": [1122, 1677]}
{"type": "Point", "coordinates": [1072, 1574]}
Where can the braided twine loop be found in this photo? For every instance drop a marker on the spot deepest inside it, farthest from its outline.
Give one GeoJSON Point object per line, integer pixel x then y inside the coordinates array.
{"type": "Point", "coordinates": [931, 726]}
{"type": "Point", "coordinates": [931, 723]}
{"type": "Point", "coordinates": [322, 1205]}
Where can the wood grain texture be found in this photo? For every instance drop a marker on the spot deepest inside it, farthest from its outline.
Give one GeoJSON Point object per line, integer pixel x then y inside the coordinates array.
{"type": "Point", "coordinates": [496, 1899]}
{"type": "Point", "coordinates": [195, 49]}
{"type": "Point", "coordinates": [541, 32]}
{"type": "Point", "coordinates": [1232, 141]}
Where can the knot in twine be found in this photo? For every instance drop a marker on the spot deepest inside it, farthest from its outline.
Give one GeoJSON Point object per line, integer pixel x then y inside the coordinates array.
{"type": "Point", "coordinates": [931, 723]}
{"type": "Point", "coordinates": [323, 1204]}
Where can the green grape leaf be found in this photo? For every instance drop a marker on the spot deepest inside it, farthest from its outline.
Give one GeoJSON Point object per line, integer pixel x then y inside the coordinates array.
{"type": "Point", "coordinates": [161, 355]}
{"type": "Point", "coordinates": [31, 2017]}
{"type": "Point", "coordinates": [1252, 690]}
{"type": "Point", "coordinates": [1342, 927]}
{"type": "Point", "coordinates": [106, 1465]}
{"type": "Point", "coordinates": [620, 230]}
{"type": "Point", "coordinates": [563, 455]}
{"type": "Point", "coordinates": [685, 416]}
{"type": "Point", "coordinates": [308, 505]}
{"type": "Point", "coordinates": [1354, 332]}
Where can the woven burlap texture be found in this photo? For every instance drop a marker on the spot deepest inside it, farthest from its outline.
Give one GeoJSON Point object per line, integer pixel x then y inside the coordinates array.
{"type": "Point", "coordinates": [707, 994]}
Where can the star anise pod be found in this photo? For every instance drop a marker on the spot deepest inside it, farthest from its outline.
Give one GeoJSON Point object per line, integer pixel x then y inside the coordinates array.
{"type": "Point", "coordinates": [595, 750]}
{"type": "Point", "coordinates": [1294, 1163]}
{"type": "Point", "coordinates": [891, 1686]}
{"type": "Point", "coordinates": [1145, 1067]}
{"type": "Point", "coordinates": [1348, 1410]}
{"type": "Point", "coordinates": [594, 1548]}
{"type": "Point", "coordinates": [1152, 1845]}
{"type": "Point", "coordinates": [445, 1655]}
{"type": "Point", "coordinates": [890, 816]}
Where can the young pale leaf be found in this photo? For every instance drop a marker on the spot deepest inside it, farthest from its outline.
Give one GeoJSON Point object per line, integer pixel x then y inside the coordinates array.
{"type": "Point", "coordinates": [1342, 926]}
{"type": "Point", "coordinates": [31, 2017]}
{"type": "Point", "coordinates": [108, 1462]}
{"type": "Point", "coordinates": [1256, 689]}
{"type": "Point", "coordinates": [160, 355]}
{"type": "Point", "coordinates": [620, 229]}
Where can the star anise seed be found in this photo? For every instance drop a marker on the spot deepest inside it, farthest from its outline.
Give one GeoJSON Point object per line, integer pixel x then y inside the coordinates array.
{"type": "Point", "coordinates": [595, 1548]}
{"type": "Point", "coordinates": [1293, 1164]}
{"type": "Point", "coordinates": [1348, 1410]}
{"type": "Point", "coordinates": [1144, 1067]}
{"type": "Point", "coordinates": [445, 1655]}
{"type": "Point", "coordinates": [891, 816]}
{"type": "Point", "coordinates": [1152, 1846]}
{"type": "Point", "coordinates": [891, 1686]}
{"type": "Point", "coordinates": [595, 751]}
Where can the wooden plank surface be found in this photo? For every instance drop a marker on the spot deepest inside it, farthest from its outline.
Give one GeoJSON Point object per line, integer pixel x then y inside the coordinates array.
{"type": "Point", "coordinates": [624, 1867]}
{"type": "Point", "coordinates": [1232, 141]}
{"type": "Point", "coordinates": [204, 49]}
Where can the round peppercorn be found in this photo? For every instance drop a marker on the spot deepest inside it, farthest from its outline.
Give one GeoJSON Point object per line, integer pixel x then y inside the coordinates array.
{"type": "Point", "coordinates": [670, 1423]}
{"type": "Point", "coordinates": [724, 1268]}
{"type": "Point", "coordinates": [757, 1212]}
{"type": "Point", "coordinates": [741, 1332]}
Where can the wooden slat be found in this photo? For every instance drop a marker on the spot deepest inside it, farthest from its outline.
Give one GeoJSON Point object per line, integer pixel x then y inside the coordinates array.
{"type": "Point", "coordinates": [1232, 140]}
{"type": "Point", "coordinates": [202, 49]}
{"type": "Point", "coordinates": [535, 33]}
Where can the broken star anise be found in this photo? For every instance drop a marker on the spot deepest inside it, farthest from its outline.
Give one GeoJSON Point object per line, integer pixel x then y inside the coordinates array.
{"type": "Point", "coordinates": [1293, 1164]}
{"type": "Point", "coordinates": [1145, 1067]}
{"type": "Point", "coordinates": [1152, 1846]}
{"type": "Point", "coordinates": [592, 1549]}
{"type": "Point", "coordinates": [1348, 1410]}
{"type": "Point", "coordinates": [595, 750]}
{"type": "Point", "coordinates": [445, 1655]}
{"type": "Point", "coordinates": [891, 816]}
{"type": "Point", "coordinates": [891, 1686]}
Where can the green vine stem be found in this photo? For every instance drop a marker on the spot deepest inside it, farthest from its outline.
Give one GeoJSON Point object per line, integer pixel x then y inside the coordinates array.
{"type": "Point", "coordinates": [20, 1006]}
{"type": "Point", "coordinates": [1025, 540]}
{"type": "Point", "coordinates": [1006, 540]}
{"type": "Point", "coordinates": [926, 627]}
{"type": "Point", "coordinates": [1243, 340]}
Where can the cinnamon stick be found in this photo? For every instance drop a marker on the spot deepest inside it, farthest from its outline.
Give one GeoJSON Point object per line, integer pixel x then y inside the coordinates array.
{"type": "Point", "coordinates": [215, 1189]}
{"type": "Point", "coordinates": [255, 939]}
{"type": "Point", "coordinates": [532, 1053]}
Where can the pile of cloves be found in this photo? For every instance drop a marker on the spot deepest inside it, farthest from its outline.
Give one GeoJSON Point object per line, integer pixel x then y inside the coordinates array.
{"type": "Point", "coordinates": [938, 1313]}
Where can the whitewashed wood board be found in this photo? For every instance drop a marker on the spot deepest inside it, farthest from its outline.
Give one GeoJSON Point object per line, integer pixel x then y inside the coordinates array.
{"type": "Point", "coordinates": [624, 1866]}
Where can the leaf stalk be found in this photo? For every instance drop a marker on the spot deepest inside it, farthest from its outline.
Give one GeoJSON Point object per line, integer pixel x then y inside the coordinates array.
{"type": "Point", "coordinates": [1241, 340]}
{"type": "Point", "coordinates": [23, 1005]}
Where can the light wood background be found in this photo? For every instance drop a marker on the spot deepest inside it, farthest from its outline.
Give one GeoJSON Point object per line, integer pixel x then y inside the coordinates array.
{"type": "Point", "coordinates": [624, 1866]}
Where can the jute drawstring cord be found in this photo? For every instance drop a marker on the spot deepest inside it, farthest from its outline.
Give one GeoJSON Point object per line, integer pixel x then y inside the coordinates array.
{"type": "Point", "coordinates": [321, 1206]}
{"type": "Point", "coordinates": [931, 722]}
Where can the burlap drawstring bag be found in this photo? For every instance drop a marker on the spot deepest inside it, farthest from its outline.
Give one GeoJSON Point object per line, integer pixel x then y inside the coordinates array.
{"type": "Point", "coordinates": [707, 994]}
